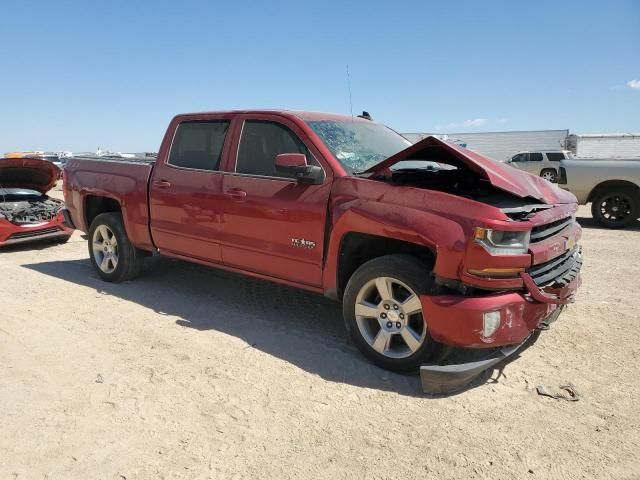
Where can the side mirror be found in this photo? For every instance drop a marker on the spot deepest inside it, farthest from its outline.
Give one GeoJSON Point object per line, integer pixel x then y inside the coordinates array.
{"type": "Point", "coordinates": [295, 164]}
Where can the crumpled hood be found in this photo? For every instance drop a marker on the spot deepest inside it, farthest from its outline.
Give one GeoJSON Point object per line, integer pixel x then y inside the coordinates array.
{"type": "Point", "coordinates": [29, 173]}
{"type": "Point", "coordinates": [500, 175]}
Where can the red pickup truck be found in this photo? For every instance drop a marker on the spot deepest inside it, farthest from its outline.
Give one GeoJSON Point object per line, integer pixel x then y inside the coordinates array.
{"type": "Point", "coordinates": [426, 245]}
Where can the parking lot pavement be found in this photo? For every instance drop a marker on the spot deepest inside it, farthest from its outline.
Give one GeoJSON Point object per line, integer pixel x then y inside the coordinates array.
{"type": "Point", "coordinates": [191, 372]}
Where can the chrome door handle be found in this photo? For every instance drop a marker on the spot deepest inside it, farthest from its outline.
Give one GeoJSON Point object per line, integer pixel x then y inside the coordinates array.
{"type": "Point", "coordinates": [161, 183]}
{"type": "Point", "coordinates": [235, 193]}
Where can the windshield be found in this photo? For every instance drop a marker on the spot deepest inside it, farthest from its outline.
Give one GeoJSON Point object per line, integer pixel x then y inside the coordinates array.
{"type": "Point", "coordinates": [359, 145]}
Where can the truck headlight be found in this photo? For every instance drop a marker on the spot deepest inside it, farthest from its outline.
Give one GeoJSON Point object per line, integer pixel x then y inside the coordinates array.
{"type": "Point", "coordinates": [502, 242]}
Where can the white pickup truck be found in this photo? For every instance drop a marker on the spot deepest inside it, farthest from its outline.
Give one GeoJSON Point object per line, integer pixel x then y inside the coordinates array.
{"type": "Point", "coordinates": [612, 187]}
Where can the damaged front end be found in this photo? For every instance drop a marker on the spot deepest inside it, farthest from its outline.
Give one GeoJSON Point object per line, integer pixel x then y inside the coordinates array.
{"type": "Point", "coordinates": [513, 268]}
{"type": "Point", "coordinates": [467, 166]}
{"type": "Point", "coordinates": [27, 213]}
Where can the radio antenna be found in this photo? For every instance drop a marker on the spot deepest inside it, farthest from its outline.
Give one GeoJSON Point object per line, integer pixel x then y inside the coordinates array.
{"type": "Point", "coordinates": [349, 88]}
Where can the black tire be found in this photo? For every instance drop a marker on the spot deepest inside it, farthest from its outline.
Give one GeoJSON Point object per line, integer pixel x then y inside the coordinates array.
{"type": "Point", "coordinates": [551, 174]}
{"type": "Point", "coordinates": [408, 270]}
{"type": "Point", "coordinates": [616, 208]}
{"type": "Point", "coordinates": [130, 259]}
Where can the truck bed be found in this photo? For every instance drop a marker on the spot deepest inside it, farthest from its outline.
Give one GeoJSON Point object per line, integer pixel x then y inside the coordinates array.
{"type": "Point", "coordinates": [107, 158]}
{"type": "Point", "coordinates": [581, 176]}
{"type": "Point", "coordinates": [124, 180]}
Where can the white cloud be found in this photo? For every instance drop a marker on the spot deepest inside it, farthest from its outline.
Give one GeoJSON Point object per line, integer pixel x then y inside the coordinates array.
{"type": "Point", "coordinates": [476, 122]}
{"type": "Point", "coordinates": [635, 84]}
{"type": "Point", "coordinates": [500, 121]}
{"type": "Point", "coordinates": [471, 123]}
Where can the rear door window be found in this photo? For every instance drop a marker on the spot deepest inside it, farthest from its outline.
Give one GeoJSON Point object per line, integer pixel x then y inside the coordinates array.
{"type": "Point", "coordinates": [198, 145]}
{"type": "Point", "coordinates": [555, 156]}
{"type": "Point", "coordinates": [535, 157]}
{"type": "Point", "coordinates": [261, 142]}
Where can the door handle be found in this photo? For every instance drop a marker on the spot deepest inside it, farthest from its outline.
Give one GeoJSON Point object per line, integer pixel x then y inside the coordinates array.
{"type": "Point", "coordinates": [162, 183]}
{"type": "Point", "coordinates": [235, 193]}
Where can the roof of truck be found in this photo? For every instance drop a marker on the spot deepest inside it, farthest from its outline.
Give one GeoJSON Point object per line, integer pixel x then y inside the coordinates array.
{"type": "Point", "coordinates": [306, 116]}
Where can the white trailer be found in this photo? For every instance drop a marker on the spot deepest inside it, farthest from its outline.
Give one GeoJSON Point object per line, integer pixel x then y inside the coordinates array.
{"type": "Point", "coordinates": [606, 145]}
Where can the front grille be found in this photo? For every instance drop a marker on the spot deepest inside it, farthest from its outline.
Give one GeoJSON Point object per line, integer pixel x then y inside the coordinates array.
{"type": "Point", "coordinates": [542, 232]}
{"type": "Point", "coordinates": [558, 272]}
{"type": "Point", "coordinates": [33, 233]}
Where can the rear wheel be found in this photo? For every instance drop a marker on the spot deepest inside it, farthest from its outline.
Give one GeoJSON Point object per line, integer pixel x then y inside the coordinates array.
{"type": "Point", "coordinates": [616, 208]}
{"type": "Point", "coordinates": [549, 174]}
{"type": "Point", "coordinates": [383, 312]}
{"type": "Point", "coordinates": [112, 255]}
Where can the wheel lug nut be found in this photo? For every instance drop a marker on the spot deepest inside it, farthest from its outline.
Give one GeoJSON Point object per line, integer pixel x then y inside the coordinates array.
{"type": "Point", "coordinates": [386, 307]}
{"type": "Point", "coordinates": [398, 325]}
{"type": "Point", "coordinates": [402, 315]}
{"type": "Point", "coordinates": [383, 315]}
{"type": "Point", "coordinates": [389, 324]}
{"type": "Point", "coordinates": [395, 307]}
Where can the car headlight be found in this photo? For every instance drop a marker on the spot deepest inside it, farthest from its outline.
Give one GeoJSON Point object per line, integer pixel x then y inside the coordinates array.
{"type": "Point", "coordinates": [502, 242]}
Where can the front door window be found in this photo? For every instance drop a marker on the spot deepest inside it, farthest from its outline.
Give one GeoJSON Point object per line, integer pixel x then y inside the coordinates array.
{"type": "Point", "coordinates": [261, 142]}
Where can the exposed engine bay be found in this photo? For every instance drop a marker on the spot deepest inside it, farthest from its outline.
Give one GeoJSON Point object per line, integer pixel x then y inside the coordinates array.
{"type": "Point", "coordinates": [459, 180]}
{"type": "Point", "coordinates": [437, 165]}
{"type": "Point", "coordinates": [22, 206]}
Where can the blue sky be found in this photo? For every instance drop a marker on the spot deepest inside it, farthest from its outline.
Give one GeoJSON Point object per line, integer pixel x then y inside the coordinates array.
{"type": "Point", "coordinates": [78, 75]}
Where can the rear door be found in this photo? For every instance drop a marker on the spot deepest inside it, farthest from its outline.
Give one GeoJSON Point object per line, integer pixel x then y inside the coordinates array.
{"type": "Point", "coordinates": [272, 224]}
{"type": "Point", "coordinates": [535, 163]}
{"type": "Point", "coordinates": [186, 189]}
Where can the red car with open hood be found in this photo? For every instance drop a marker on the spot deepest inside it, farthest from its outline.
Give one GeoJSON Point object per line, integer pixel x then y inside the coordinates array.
{"type": "Point", "coordinates": [428, 246]}
{"type": "Point", "coordinates": [27, 213]}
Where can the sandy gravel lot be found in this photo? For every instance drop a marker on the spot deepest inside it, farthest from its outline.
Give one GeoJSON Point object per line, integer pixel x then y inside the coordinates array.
{"type": "Point", "coordinates": [193, 373]}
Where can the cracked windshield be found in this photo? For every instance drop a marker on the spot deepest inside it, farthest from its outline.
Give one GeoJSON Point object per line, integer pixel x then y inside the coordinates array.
{"type": "Point", "coordinates": [359, 145]}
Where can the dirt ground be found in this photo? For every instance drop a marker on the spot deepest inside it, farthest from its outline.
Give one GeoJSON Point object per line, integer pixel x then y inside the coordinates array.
{"type": "Point", "coordinates": [194, 373]}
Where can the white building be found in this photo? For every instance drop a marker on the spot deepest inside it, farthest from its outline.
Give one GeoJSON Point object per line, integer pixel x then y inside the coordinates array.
{"type": "Point", "coordinates": [503, 145]}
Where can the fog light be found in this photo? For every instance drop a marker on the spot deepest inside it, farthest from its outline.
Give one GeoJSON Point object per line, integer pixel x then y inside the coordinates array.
{"type": "Point", "coordinates": [490, 323]}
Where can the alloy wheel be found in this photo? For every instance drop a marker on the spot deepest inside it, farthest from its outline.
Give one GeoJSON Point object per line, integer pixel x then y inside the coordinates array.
{"type": "Point", "coordinates": [105, 249]}
{"type": "Point", "coordinates": [390, 318]}
{"type": "Point", "coordinates": [549, 176]}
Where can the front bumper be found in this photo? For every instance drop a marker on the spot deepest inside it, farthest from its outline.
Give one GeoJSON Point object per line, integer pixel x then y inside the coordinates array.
{"type": "Point", "coordinates": [446, 379]}
{"type": "Point", "coordinates": [452, 378]}
{"type": "Point", "coordinates": [11, 234]}
{"type": "Point", "coordinates": [457, 320]}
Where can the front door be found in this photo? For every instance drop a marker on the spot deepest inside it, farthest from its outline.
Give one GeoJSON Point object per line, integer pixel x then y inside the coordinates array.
{"type": "Point", "coordinates": [185, 192]}
{"type": "Point", "coordinates": [271, 224]}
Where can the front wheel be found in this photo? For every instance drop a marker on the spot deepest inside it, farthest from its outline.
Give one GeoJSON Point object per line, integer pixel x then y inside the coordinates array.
{"type": "Point", "coordinates": [383, 312]}
{"type": "Point", "coordinates": [112, 255]}
{"type": "Point", "coordinates": [616, 208]}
